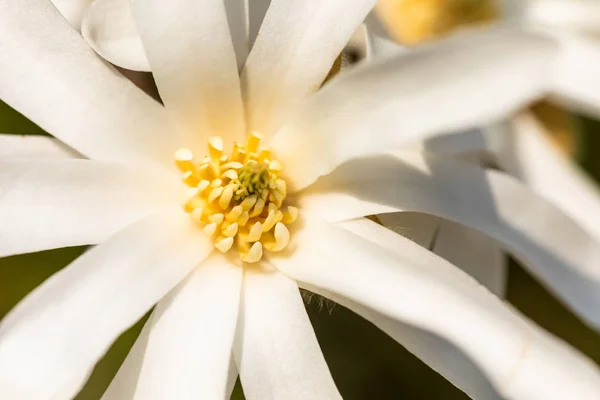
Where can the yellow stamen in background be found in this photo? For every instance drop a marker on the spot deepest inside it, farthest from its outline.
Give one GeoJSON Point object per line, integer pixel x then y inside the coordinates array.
{"type": "Point", "coordinates": [238, 199]}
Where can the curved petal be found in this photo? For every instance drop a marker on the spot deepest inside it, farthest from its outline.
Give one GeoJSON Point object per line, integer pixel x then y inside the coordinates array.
{"type": "Point", "coordinates": [472, 251]}
{"type": "Point", "coordinates": [109, 28]}
{"type": "Point", "coordinates": [295, 48]}
{"type": "Point", "coordinates": [194, 66]}
{"type": "Point", "coordinates": [276, 350]}
{"type": "Point", "coordinates": [575, 79]}
{"type": "Point", "coordinates": [60, 330]}
{"type": "Point", "coordinates": [237, 18]}
{"type": "Point", "coordinates": [531, 156]}
{"type": "Point", "coordinates": [60, 203]}
{"type": "Point", "coordinates": [441, 299]}
{"type": "Point", "coordinates": [72, 10]}
{"type": "Point", "coordinates": [386, 105]}
{"type": "Point", "coordinates": [49, 74]}
{"type": "Point", "coordinates": [441, 355]}
{"type": "Point", "coordinates": [548, 242]}
{"type": "Point", "coordinates": [185, 350]}
{"type": "Point", "coordinates": [379, 42]}
{"type": "Point", "coordinates": [33, 146]}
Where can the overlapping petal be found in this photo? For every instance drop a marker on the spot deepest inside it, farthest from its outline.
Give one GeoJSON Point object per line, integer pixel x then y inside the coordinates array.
{"type": "Point", "coordinates": [49, 74]}
{"type": "Point", "coordinates": [185, 349]}
{"type": "Point", "coordinates": [72, 10]}
{"type": "Point", "coordinates": [296, 46]}
{"type": "Point", "coordinates": [564, 258]}
{"type": "Point", "coordinates": [276, 350]}
{"type": "Point", "coordinates": [442, 300]}
{"type": "Point", "coordinates": [60, 330]}
{"type": "Point", "coordinates": [46, 204]}
{"type": "Point", "coordinates": [34, 147]}
{"type": "Point", "coordinates": [385, 105]}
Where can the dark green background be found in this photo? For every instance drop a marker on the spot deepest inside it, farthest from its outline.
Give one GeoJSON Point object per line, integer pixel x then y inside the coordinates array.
{"type": "Point", "coordinates": [365, 363]}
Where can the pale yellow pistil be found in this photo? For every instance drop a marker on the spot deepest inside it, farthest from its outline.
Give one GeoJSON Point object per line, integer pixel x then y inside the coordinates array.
{"type": "Point", "coordinates": [238, 198]}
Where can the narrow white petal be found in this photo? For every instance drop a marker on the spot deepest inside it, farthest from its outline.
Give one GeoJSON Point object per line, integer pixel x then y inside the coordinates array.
{"type": "Point", "coordinates": [72, 10]}
{"type": "Point", "coordinates": [49, 74]}
{"type": "Point", "coordinates": [276, 350]}
{"type": "Point", "coordinates": [185, 349]}
{"type": "Point", "coordinates": [548, 242]}
{"type": "Point", "coordinates": [59, 203]}
{"type": "Point", "coordinates": [193, 61]}
{"type": "Point", "coordinates": [576, 80]}
{"type": "Point", "coordinates": [474, 252]}
{"type": "Point", "coordinates": [379, 42]}
{"type": "Point", "coordinates": [387, 105]}
{"type": "Point", "coordinates": [295, 48]}
{"type": "Point", "coordinates": [109, 28]}
{"type": "Point", "coordinates": [531, 156]}
{"type": "Point", "coordinates": [33, 147]}
{"type": "Point", "coordinates": [441, 299]}
{"type": "Point", "coordinates": [59, 331]}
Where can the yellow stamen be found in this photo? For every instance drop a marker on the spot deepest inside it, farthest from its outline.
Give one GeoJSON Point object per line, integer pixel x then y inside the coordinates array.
{"type": "Point", "coordinates": [238, 197]}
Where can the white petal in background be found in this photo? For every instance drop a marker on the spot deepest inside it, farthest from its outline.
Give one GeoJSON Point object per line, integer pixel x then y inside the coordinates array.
{"type": "Point", "coordinates": [185, 349]}
{"type": "Point", "coordinates": [189, 47]}
{"type": "Point", "coordinates": [49, 74]}
{"type": "Point", "coordinates": [293, 53]}
{"type": "Point", "coordinates": [237, 19]}
{"type": "Point", "coordinates": [59, 331]}
{"type": "Point", "coordinates": [72, 10]}
{"type": "Point", "coordinates": [580, 16]}
{"type": "Point", "coordinates": [47, 204]}
{"type": "Point", "coordinates": [442, 300]}
{"type": "Point", "coordinates": [276, 349]}
{"type": "Point", "coordinates": [109, 28]}
{"type": "Point", "coordinates": [385, 105]}
{"type": "Point", "coordinates": [565, 259]}
{"type": "Point", "coordinates": [34, 147]}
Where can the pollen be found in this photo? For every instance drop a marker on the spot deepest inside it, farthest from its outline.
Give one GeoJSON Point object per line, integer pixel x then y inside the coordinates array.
{"type": "Point", "coordinates": [238, 199]}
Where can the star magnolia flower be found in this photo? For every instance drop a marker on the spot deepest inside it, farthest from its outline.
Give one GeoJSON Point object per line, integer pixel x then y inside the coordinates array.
{"type": "Point", "coordinates": [215, 294]}
{"type": "Point", "coordinates": [522, 148]}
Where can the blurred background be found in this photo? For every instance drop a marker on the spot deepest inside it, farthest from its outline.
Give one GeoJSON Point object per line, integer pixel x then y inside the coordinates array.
{"type": "Point", "coordinates": [365, 363]}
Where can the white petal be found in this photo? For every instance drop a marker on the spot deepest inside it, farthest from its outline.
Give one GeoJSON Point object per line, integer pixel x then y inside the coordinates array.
{"type": "Point", "coordinates": [60, 203]}
{"type": "Point", "coordinates": [109, 28]}
{"type": "Point", "coordinates": [573, 15]}
{"type": "Point", "coordinates": [193, 61]}
{"type": "Point", "coordinates": [276, 350]}
{"type": "Point", "coordinates": [49, 74]}
{"type": "Point", "coordinates": [185, 349]}
{"type": "Point", "coordinates": [33, 146]}
{"type": "Point", "coordinates": [533, 158]}
{"type": "Point", "coordinates": [472, 251]}
{"type": "Point", "coordinates": [379, 42]}
{"type": "Point", "coordinates": [441, 299]}
{"type": "Point", "coordinates": [237, 18]}
{"type": "Point", "coordinates": [72, 10]}
{"type": "Point", "coordinates": [442, 356]}
{"type": "Point", "coordinates": [257, 9]}
{"type": "Point", "coordinates": [296, 46]}
{"type": "Point", "coordinates": [548, 242]}
{"type": "Point", "coordinates": [576, 80]}
{"type": "Point", "coordinates": [59, 331]}
{"type": "Point", "coordinates": [388, 105]}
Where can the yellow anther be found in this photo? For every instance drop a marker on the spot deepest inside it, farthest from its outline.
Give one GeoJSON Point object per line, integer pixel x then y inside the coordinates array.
{"type": "Point", "coordinates": [223, 245]}
{"type": "Point", "coordinates": [216, 183]}
{"type": "Point", "coordinates": [281, 186]}
{"type": "Point", "coordinates": [203, 185]}
{"type": "Point", "coordinates": [255, 232]}
{"type": "Point", "coordinates": [184, 160]}
{"type": "Point", "coordinates": [243, 219]}
{"type": "Point", "coordinates": [253, 142]}
{"type": "Point", "coordinates": [210, 229]}
{"type": "Point", "coordinates": [269, 221]}
{"type": "Point", "coordinates": [216, 218]}
{"type": "Point", "coordinates": [234, 214]}
{"type": "Point", "coordinates": [229, 174]}
{"type": "Point", "coordinates": [254, 255]}
{"type": "Point", "coordinates": [197, 214]}
{"type": "Point", "coordinates": [215, 193]}
{"type": "Point", "coordinates": [189, 178]}
{"type": "Point", "coordinates": [258, 208]}
{"type": "Point", "coordinates": [232, 165]}
{"type": "Point", "coordinates": [224, 159]}
{"type": "Point", "coordinates": [231, 230]}
{"type": "Point", "coordinates": [290, 215]}
{"type": "Point", "coordinates": [192, 201]}
{"type": "Point", "coordinates": [248, 203]}
{"type": "Point", "coordinates": [282, 238]}
{"type": "Point", "coordinates": [238, 153]}
{"type": "Point", "coordinates": [265, 154]}
{"type": "Point", "coordinates": [215, 147]}
{"type": "Point", "coordinates": [226, 197]}
{"type": "Point", "coordinates": [275, 166]}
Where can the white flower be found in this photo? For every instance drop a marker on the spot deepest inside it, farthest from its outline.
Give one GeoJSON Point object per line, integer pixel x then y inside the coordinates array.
{"type": "Point", "coordinates": [563, 260]}
{"type": "Point", "coordinates": [124, 198]}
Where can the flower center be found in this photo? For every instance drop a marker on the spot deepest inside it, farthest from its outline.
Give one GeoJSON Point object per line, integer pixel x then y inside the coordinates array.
{"type": "Point", "coordinates": [238, 198]}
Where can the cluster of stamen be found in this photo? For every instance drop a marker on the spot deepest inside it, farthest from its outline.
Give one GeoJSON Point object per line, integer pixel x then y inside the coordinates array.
{"type": "Point", "coordinates": [238, 198]}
